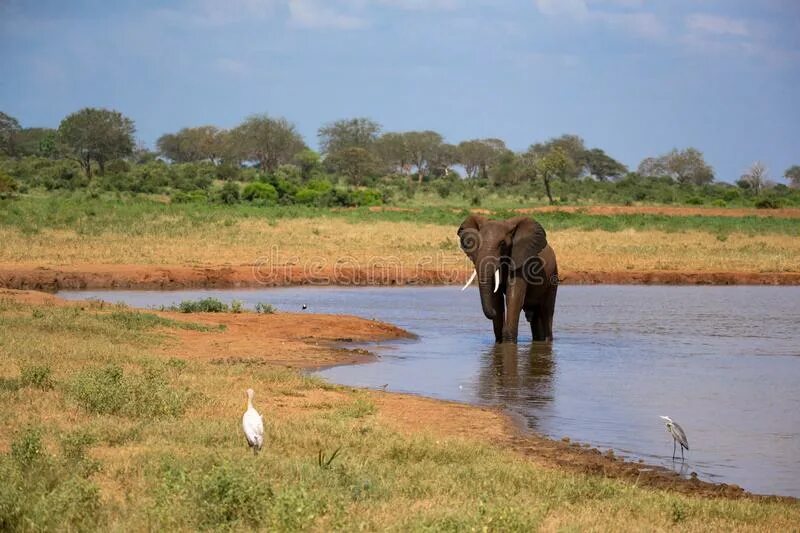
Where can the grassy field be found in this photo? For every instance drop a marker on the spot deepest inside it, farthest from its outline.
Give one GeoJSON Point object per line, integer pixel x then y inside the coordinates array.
{"type": "Point", "coordinates": [66, 230]}
{"type": "Point", "coordinates": [102, 428]}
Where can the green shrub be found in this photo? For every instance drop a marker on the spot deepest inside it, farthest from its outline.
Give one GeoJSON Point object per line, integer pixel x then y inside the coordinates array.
{"type": "Point", "coordinates": [694, 200]}
{"type": "Point", "coordinates": [191, 197]}
{"type": "Point", "coordinates": [266, 309]}
{"type": "Point", "coordinates": [227, 497]}
{"type": "Point", "coordinates": [39, 376]}
{"type": "Point", "coordinates": [108, 390]}
{"type": "Point", "coordinates": [8, 185]}
{"type": "Point", "coordinates": [767, 202]}
{"type": "Point", "coordinates": [719, 202]}
{"type": "Point", "coordinates": [260, 192]}
{"type": "Point", "coordinates": [229, 194]}
{"type": "Point", "coordinates": [204, 305]}
{"type": "Point", "coordinates": [316, 192]}
{"type": "Point", "coordinates": [40, 493]}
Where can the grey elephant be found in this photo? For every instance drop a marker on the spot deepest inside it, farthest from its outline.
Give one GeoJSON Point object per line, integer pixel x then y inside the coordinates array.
{"type": "Point", "coordinates": [516, 271]}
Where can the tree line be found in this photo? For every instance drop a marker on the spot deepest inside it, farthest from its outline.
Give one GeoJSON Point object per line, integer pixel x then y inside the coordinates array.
{"type": "Point", "coordinates": [357, 149]}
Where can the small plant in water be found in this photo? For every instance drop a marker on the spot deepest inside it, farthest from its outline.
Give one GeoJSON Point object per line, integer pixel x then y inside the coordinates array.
{"type": "Point", "coordinates": [236, 306]}
{"type": "Point", "coordinates": [265, 309]}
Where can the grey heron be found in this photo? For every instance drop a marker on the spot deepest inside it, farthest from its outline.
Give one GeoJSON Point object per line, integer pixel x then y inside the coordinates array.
{"type": "Point", "coordinates": [678, 435]}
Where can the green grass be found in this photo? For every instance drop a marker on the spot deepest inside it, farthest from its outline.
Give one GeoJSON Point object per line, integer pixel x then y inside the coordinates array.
{"type": "Point", "coordinates": [141, 216]}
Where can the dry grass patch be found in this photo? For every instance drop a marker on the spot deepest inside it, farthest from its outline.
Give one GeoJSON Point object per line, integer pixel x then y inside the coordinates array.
{"type": "Point", "coordinates": [327, 242]}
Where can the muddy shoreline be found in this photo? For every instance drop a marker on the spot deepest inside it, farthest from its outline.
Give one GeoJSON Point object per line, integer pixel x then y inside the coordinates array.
{"type": "Point", "coordinates": [173, 277]}
{"type": "Point", "coordinates": [309, 341]}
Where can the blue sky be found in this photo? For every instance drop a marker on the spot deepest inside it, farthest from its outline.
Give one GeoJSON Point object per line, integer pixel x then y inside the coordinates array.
{"type": "Point", "coordinates": [634, 77]}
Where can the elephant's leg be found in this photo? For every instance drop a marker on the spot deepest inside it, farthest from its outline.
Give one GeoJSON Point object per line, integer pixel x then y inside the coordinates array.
{"type": "Point", "coordinates": [537, 326]}
{"type": "Point", "coordinates": [499, 317]}
{"type": "Point", "coordinates": [548, 310]}
{"type": "Point", "coordinates": [515, 298]}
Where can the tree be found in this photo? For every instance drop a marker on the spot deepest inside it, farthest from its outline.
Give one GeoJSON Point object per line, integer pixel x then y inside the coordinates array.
{"type": "Point", "coordinates": [477, 155]}
{"type": "Point", "coordinates": [9, 128]}
{"type": "Point", "coordinates": [192, 144]}
{"type": "Point", "coordinates": [793, 175]}
{"type": "Point", "coordinates": [392, 150]}
{"type": "Point", "coordinates": [602, 166]}
{"type": "Point", "coordinates": [684, 166]}
{"type": "Point", "coordinates": [755, 178]}
{"type": "Point", "coordinates": [355, 163]}
{"type": "Point", "coordinates": [422, 148]}
{"type": "Point", "coordinates": [445, 156]}
{"type": "Point", "coordinates": [358, 132]}
{"type": "Point", "coordinates": [35, 141]}
{"type": "Point", "coordinates": [572, 148]}
{"type": "Point", "coordinates": [98, 135]}
{"type": "Point", "coordinates": [308, 162]}
{"type": "Point", "coordinates": [546, 166]}
{"type": "Point", "coordinates": [270, 141]}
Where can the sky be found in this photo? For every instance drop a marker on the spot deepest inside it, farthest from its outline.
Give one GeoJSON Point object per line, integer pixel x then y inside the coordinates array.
{"type": "Point", "coordinates": [636, 78]}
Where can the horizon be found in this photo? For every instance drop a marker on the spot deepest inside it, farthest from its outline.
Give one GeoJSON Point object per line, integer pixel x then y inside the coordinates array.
{"type": "Point", "coordinates": [631, 77]}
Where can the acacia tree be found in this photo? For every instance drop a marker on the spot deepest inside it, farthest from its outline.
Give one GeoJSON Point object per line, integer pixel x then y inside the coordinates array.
{"type": "Point", "coordinates": [477, 155]}
{"type": "Point", "coordinates": [270, 141]}
{"type": "Point", "coordinates": [793, 175]}
{"type": "Point", "coordinates": [755, 178]}
{"type": "Point", "coordinates": [684, 166]}
{"type": "Point", "coordinates": [422, 148]}
{"type": "Point", "coordinates": [193, 144]}
{"type": "Point", "coordinates": [98, 135]}
{"type": "Point", "coordinates": [392, 150]}
{"type": "Point", "coordinates": [602, 166]}
{"type": "Point", "coordinates": [9, 129]}
{"type": "Point", "coordinates": [355, 163]}
{"type": "Point", "coordinates": [360, 132]}
{"type": "Point", "coordinates": [571, 147]}
{"type": "Point", "coordinates": [553, 164]}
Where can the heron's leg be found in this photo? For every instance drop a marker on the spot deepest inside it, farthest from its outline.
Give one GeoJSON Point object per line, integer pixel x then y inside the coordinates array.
{"type": "Point", "coordinates": [673, 448]}
{"type": "Point", "coordinates": [682, 452]}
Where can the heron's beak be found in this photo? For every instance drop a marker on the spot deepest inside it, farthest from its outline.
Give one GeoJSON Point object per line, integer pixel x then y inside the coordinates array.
{"type": "Point", "coordinates": [496, 279]}
{"type": "Point", "coordinates": [668, 419]}
{"type": "Point", "coordinates": [470, 280]}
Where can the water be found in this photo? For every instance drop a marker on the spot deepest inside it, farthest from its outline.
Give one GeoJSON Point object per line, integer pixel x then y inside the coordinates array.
{"type": "Point", "coordinates": [724, 362]}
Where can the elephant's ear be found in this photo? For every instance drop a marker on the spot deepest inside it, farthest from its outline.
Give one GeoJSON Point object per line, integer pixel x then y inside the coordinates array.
{"type": "Point", "coordinates": [528, 239]}
{"type": "Point", "coordinates": [469, 234]}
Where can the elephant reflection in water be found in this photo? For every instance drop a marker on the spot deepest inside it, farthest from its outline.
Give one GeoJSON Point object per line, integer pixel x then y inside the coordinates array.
{"type": "Point", "coordinates": [513, 374]}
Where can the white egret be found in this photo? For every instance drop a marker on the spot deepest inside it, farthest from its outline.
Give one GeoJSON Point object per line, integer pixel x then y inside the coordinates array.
{"type": "Point", "coordinates": [253, 424]}
{"type": "Point", "coordinates": [678, 435]}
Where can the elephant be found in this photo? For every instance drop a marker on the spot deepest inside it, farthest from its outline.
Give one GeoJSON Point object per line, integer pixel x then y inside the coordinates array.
{"type": "Point", "coordinates": [516, 271]}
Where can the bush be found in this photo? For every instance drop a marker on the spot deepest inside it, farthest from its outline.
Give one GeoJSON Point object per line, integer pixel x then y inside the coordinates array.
{"type": "Point", "coordinates": [229, 194]}
{"type": "Point", "coordinates": [767, 202]}
{"type": "Point", "coordinates": [694, 200]}
{"type": "Point", "coordinates": [64, 175]}
{"type": "Point", "coordinates": [260, 192]}
{"type": "Point", "coordinates": [191, 197]}
{"type": "Point", "coordinates": [227, 497]}
{"type": "Point", "coordinates": [38, 376]}
{"type": "Point", "coordinates": [204, 305]}
{"type": "Point", "coordinates": [8, 185]}
{"type": "Point", "coordinates": [266, 309]}
{"type": "Point", "coordinates": [365, 196]}
{"type": "Point", "coordinates": [316, 192]}
{"type": "Point", "coordinates": [719, 202]}
{"type": "Point", "coordinates": [108, 390]}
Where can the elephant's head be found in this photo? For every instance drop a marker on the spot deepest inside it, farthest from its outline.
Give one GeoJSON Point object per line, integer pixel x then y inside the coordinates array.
{"type": "Point", "coordinates": [498, 248]}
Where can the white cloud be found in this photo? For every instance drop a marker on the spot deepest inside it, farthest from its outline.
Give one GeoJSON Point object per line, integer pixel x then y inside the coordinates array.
{"type": "Point", "coordinates": [717, 25]}
{"type": "Point", "coordinates": [422, 5]}
{"type": "Point", "coordinates": [572, 8]}
{"type": "Point", "coordinates": [630, 19]}
{"type": "Point", "coordinates": [232, 66]}
{"type": "Point", "coordinates": [318, 14]}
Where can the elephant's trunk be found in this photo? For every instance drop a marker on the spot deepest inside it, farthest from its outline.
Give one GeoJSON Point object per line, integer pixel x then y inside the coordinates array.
{"type": "Point", "coordinates": [488, 285]}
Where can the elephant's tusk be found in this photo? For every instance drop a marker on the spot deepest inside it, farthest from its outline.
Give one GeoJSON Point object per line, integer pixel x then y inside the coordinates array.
{"type": "Point", "coordinates": [496, 279]}
{"type": "Point", "coordinates": [470, 280]}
